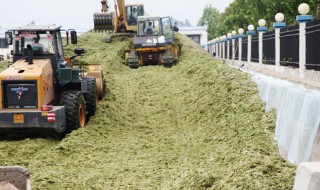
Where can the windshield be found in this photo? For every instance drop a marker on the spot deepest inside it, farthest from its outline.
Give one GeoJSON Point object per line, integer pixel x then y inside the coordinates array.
{"type": "Point", "coordinates": [41, 43]}
{"type": "Point", "coordinates": [149, 27]}
{"type": "Point", "coordinates": [132, 14]}
{"type": "Point", "coordinates": [167, 27]}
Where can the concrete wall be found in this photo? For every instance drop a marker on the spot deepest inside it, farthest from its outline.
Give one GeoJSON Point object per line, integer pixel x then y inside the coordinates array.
{"type": "Point", "coordinates": [310, 81]}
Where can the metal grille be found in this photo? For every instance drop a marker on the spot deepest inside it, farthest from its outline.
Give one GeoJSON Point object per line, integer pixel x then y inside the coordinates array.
{"type": "Point", "coordinates": [230, 50]}
{"type": "Point", "coordinates": [244, 49]}
{"type": "Point", "coordinates": [236, 45]}
{"type": "Point", "coordinates": [20, 94]}
{"type": "Point", "coordinates": [289, 46]}
{"type": "Point", "coordinates": [255, 48]}
{"type": "Point", "coordinates": [313, 45]}
{"type": "Point", "coordinates": [269, 48]}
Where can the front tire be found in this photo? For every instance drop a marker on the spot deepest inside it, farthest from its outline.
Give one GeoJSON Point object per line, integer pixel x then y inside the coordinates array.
{"type": "Point", "coordinates": [91, 97]}
{"type": "Point", "coordinates": [75, 109]}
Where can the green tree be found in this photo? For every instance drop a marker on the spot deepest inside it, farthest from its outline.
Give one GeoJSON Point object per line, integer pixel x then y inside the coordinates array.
{"type": "Point", "coordinates": [212, 16]}
{"type": "Point", "coordinates": [241, 13]}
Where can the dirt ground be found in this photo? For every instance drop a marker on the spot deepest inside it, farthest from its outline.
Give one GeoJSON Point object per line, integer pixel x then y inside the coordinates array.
{"type": "Point", "coordinates": [198, 125]}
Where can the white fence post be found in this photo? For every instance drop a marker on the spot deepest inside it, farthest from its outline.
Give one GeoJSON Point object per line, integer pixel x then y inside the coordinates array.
{"type": "Point", "coordinates": [278, 25]}
{"type": "Point", "coordinates": [220, 50]}
{"type": "Point", "coordinates": [249, 34]}
{"type": "Point", "coordinates": [302, 19]}
{"type": "Point", "coordinates": [240, 36]}
{"type": "Point", "coordinates": [233, 48]}
{"type": "Point", "coordinates": [261, 30]}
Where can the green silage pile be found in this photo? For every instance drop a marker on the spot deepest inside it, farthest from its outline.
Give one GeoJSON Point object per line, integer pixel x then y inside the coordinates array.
{"type": "Point", "coordinates": [198, 125]}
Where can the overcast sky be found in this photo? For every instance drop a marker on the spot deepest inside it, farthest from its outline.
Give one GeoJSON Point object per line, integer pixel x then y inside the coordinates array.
{"type": "Point", "coordinates": [78, 14]}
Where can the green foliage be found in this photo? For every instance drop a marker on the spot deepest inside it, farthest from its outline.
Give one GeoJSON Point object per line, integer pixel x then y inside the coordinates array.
{"type": "Point", "coordinates": [212, 16]}
{"type": "Point", "coordinates": [241, 13]}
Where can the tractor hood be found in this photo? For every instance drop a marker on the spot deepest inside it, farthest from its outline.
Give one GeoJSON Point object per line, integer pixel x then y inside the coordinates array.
{"type": "Point", "coordinates": [21, 70]}
{"type": "Point", "coordinates": [149, 41]}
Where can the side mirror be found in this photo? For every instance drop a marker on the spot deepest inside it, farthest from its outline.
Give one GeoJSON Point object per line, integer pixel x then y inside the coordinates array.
{"type": "Point", "coordinates": [74, 39]}
{"type": "Point", "coordinates": [8, 38]}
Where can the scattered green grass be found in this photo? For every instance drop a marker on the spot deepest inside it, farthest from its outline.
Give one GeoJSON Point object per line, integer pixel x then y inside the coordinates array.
{"type": "Point", "coordinates": [198, 125]}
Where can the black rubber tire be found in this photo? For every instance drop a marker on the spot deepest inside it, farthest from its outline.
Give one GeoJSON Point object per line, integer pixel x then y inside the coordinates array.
{"type": "Point", "coordinates": [75, 106]}
{"type": "Point", "coordinates": [91, 97]}
{"type": "Point", "coordinates": [168, 65]}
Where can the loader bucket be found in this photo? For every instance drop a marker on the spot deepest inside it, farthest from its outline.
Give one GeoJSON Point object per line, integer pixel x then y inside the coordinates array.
{"type": "Point", "coordinates": [103, 22]}
{"type": "Point", "coordinates": [95, 70]}
{"type": "Point", "coordinates": [14, 177]}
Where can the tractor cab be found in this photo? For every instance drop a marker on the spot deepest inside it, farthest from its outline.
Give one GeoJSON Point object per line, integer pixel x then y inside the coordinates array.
{"type": "Point", "coordinates": [133, 12]}
{"type": "Point", "coordinates": [153, 32]}
{"type": "Point", "coordinates": [41, 41]}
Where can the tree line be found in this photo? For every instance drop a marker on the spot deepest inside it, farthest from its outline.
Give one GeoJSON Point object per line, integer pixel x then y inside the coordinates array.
{"type": "Point", "coordinates": [241, 13]}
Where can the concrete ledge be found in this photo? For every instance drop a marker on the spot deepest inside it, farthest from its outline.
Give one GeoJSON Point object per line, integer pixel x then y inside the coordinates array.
{"type": "Point", "coordinates": [310, 78]}
{"type": "Point", "coordinates": [307, 176]}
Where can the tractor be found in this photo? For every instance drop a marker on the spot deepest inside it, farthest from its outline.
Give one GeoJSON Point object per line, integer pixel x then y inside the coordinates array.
{"type": "Point", "coordinates": [154, 43]}
{"type": "Point", "coordinates": [42, 89]}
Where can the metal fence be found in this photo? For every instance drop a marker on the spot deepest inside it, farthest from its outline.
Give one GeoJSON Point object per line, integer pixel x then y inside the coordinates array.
{"type": "Point", "coordinates": [269, 48]}
{"type": "Point", "coordinates": [230, 50]}
{"type": "Point", "coordinates": [289, 46]}
{"type": "Point", "coordinates": [313, 45]}
{"type": "Point", "coordinates": [225, 49]}
{"type": "Point", "coordinates": [255, 48]}
{"type": "Point", "coordinates": [236, 45]}
{"type": "Point", "coordinates": [244, 55]}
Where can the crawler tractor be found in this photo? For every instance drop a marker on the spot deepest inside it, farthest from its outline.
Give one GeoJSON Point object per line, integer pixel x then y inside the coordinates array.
{"type": "Point", "coordinates": [43, 90]}
{"type": "Point", "coordinates": [154, 43]}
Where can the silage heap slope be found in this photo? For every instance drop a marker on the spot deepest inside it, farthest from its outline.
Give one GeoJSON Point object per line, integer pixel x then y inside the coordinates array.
{"type": "Point", "coordinates": [197, 125]}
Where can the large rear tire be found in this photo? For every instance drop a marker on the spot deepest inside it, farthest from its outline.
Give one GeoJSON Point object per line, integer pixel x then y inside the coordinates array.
{"type": "Point", "coordinates": [91, 97]}
{"type": "Point", "coordinates": [75, 109]}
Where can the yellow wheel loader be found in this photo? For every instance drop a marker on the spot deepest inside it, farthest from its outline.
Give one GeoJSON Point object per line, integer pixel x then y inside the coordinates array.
{"type": "Point", "coordinates": [124, 19]}
{"type": "Point", "coordinates": [154, 43]}
{"type": "Point", "coordinates": [42, 89]}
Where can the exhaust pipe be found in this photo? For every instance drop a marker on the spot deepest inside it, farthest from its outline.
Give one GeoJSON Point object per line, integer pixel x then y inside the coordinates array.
{"type": "Point", "coordinates": [30, 55]}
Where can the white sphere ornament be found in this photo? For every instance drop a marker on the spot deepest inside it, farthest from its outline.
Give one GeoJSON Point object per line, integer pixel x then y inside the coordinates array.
{"type": "Point", "coordinates": [251, 27]}
{"type": "Point", "coordinates": [224, 37]}
{"type": "Point", "coordinates": [229, 35]}
{"type": "Point", "coordinates": [240, 31]}
{"type": "Point", "coordinates": [303, 8]}
{"type": "Point", "coordinates": [234, 33]}
{"type": "Point", "coordinates": [279, 17]}
{"type": "Point", "coordinates": [262, 22]}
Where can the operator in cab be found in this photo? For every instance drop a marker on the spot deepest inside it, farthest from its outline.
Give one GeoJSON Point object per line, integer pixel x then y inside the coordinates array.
{"type": "Point", "coordinates": [148, 29]}
{"type": "Point", "coordinates": [37, 46]}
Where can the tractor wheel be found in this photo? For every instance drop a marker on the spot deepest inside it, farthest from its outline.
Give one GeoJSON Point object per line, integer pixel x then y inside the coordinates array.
{"type": "Point", "coordinates": [168, 65]}
{"type": "Point", "coordinates": [91, 97]}
{"type": "Point", "coordinates": [75, 109]}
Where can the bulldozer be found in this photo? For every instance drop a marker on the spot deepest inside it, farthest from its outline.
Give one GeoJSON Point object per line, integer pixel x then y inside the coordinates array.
{"type": "Point", "coordinates": [154, 43]}
{"type": "Point", "coordinates": [124, 19]}
{"type": "Point", "coordinates": [43, 90]}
